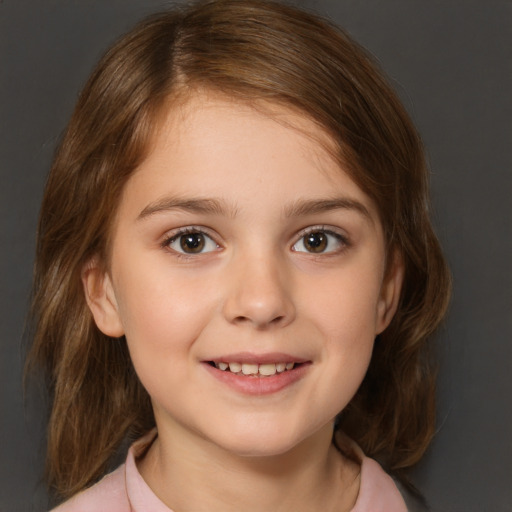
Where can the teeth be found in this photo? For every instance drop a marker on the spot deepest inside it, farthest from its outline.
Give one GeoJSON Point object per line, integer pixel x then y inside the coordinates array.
{"type": "Point", "coordinates": [235, 367]}
{"type": "Point", "coordinates": [264, 370]}
{"type": "Point", "coordinates": [249, 369]}
{"type": "Point", "coordinates": [267, 369]}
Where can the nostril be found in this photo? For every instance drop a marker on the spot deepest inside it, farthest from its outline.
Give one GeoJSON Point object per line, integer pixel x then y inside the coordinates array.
{"type": "Point", "coordinates": [259, 311]}
{"type": "Point", "coordinates": [260, 323]}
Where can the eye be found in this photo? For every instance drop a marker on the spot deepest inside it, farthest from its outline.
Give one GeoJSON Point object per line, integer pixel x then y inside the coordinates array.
{"type": "Point", "coordinates": [320, 241]}
{"type": "Point", "coordinates": [191, 242]}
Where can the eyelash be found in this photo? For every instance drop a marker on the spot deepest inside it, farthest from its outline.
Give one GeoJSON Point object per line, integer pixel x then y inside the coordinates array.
{"type": "Point", "coordinates": [181, 232]}
{"type": "Point", "coordinates": [341, 239]}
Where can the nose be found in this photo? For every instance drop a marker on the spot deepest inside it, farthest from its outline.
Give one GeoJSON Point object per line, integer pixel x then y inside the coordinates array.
{"type": "Point", "coordinates": [259, 293]}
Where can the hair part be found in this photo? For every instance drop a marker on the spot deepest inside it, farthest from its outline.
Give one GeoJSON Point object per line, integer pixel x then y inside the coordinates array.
{"type": "Point", "coordinates": [255, 51]}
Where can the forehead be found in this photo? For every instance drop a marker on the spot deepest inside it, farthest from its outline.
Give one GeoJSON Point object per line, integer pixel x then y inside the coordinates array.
{"type": "Point", "coordinates": [205, 113]}
{"type": "Point", "coordinates": [213, 145]}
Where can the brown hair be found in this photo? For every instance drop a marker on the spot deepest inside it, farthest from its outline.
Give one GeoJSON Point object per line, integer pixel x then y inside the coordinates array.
{"type": "Point", "coordinates": [254, 50]}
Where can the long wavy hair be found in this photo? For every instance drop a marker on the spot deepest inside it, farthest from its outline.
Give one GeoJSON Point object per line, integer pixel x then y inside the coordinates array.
{"type": "Point", "coordinates": [252, 50]}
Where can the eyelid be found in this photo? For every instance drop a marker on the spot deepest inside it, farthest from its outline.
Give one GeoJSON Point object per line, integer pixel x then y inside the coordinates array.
{"type": "Point", "coordinates": [342, 238]}
{"type": "Point", "coordinates": [174, 234]}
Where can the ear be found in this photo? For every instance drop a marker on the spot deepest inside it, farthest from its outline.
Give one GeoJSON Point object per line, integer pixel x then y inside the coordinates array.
{"type": "Point", "coordinates": [390, 292]}
{"type": "Point", "coordinates": [101, 299]}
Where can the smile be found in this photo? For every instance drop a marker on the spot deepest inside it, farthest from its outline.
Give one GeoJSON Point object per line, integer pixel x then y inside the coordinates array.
{"type": "Point", "coordinates": [255, 370]}
{"type": "Point", "coordinates": [258, 375]}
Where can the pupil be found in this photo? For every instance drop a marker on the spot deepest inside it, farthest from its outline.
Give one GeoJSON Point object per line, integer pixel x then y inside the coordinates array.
{"type": "Point", "coordinates": [316, 242]}
{"type": "Point", "coordinates": [192, 242]}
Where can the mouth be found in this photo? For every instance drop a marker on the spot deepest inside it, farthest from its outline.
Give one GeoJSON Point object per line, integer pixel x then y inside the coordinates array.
{"type": "Point", "coordinates": [253, 369]}
{"type": "Point", "coordinates": [258, 374]}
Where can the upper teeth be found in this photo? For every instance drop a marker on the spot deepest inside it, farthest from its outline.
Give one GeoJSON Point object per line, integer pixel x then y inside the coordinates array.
{"type": "Point", "coordinates": [255, 369]}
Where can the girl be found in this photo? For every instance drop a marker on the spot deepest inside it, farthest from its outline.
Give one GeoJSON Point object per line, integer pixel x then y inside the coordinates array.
{"type": "Point", "coordinates": [236, 267]}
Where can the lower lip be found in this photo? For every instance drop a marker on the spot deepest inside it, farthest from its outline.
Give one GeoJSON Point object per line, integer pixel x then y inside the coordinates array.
{"type": "Point", "coordinates": [254, 385]}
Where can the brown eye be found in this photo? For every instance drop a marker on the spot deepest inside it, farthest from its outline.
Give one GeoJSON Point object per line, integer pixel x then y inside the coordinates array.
{"type": "Point", "coordinates": [320, 241]}
{"type": "Point", "coordinates": [315, 242]}
{"type": "Point", "coordinates": [192, 243]}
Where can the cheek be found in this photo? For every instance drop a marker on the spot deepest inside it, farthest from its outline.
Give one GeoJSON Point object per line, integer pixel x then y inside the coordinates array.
{"type": "Point", "coordinates": [346, 316]}
{"type": "Point", "coordinates": [162, 316]}
{"type": "Point", "coordinates": [349, 332]}
{"type": "Point", "coordinates": [346, 305]}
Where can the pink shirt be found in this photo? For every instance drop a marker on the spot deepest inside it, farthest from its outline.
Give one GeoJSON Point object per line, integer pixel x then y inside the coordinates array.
{"type": "Point", "coordinates": [124, 490]}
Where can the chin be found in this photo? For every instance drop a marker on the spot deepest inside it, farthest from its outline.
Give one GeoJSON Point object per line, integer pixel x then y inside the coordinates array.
{"type": "Point", "coordinates": [261, 448]}
{"type": "Point", "coordinates": [261, 440]}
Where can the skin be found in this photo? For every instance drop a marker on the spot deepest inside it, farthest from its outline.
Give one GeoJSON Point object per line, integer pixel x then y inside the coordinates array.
{"type": "Point", "coordinates": [256, 288]}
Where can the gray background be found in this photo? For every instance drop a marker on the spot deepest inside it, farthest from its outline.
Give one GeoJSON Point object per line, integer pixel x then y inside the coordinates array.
{"type": "Point", "coordinates": [451, 62]}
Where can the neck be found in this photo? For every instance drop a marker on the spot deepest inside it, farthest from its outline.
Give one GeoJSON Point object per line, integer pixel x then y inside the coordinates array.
{"type": "Point", "coordinates": [196, 475]}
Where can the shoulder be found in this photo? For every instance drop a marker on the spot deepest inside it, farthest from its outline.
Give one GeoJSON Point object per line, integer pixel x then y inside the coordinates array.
{"type": "Point", "coordinates": [123, 490]}
{"type": "Point", "coordinates": [108, 494]}
{"type": "Point", "coordinates": [414, 501]}
{"type": "Point", "coordinates": [378, 492]}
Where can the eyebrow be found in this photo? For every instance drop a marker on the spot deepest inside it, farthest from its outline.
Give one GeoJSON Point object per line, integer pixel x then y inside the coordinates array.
{"type": "Point", "coordinates": [194, 205]}
{"type": "Point", "coordinates": [298, 208]}
{"type": "Point", "coordinates": [312, 206]}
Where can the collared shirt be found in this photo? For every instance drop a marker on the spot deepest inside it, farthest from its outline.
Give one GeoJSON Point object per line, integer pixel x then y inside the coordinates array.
{"type": "Point", "coordinates": [124, 490]}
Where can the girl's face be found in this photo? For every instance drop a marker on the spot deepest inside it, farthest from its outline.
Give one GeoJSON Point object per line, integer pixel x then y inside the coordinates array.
{"type": "Point", "coordinates": [248, 275]}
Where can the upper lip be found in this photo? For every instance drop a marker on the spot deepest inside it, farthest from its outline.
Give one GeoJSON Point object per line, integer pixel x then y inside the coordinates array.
{"type": "Point", "coordinates": [251, 358]}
